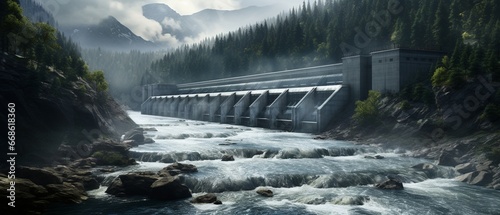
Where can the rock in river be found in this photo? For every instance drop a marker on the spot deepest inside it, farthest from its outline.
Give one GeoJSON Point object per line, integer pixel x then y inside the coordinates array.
{"type": "Point", "coordinates": [390, 184]}
{"type": "Point", "coordinates": [169, 188]}
{"type": "Point", "coordinates": [351, 200]}
{"type": "Point", "coordinates": [265, 192]}
{"type": "Point", "coordinates": [177, 168]}
{"type": "Point", "coordinates": [207, 198]}
{"type": "Point", "coordinates": [227, 158]}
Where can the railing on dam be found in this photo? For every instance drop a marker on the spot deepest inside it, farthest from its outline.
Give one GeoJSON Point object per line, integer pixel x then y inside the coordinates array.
{"type": "Point", "coordinates": [301, 109]}
{"type": "Point", "coordinates": [331, 69]}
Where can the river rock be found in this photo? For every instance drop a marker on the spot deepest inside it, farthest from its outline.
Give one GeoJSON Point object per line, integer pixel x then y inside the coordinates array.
{"type": "Point", "coordinates": [110, 146]}
{"type": "Point", "coordinates": [390, 184]}
{"type": "Point", "coordinates": [149, 184]}
{"type": "Point", "coordinates": [496, 187]}
{"type": "Point", "coordinates": [483, 178]}
{"type": "Point", "coordinates": [148, 140]}
{"type": "Point", "coordinates": [137, 183]}
{"type": "Point", "coordinates": [177, 168]}
{"type": "Point", "coordinates": [89, 182]}
{"type": "Point", "coordinates": [467, 178]}
{"type": "Point", "coordinates": [374, 157]}
{"type": "Point", "coordinates": [169, 188]}
{"type": "Point", "coordinates": [84, 163]}
{"type": "Point", "coordinates": [312, 200]}
{"type": "Point", "coordinates": [227, 158]}
{"type": "Point", "coordinates": [116, 188]}
{"type": "Point", "coordinates": [29, 196]}
{"type": "Point", "coordinates": [39, 176]}
{"type": "Point", "coordinates": [207, 198]}
{"type": "Point", "coordinates": [429, 169]}
{"type": "Point", "coordinates": [265, 192]}
{"type": "Point", "coordinates": [447, 158]}
{"type": "Point", "coordinates": [464, 168]}
{"type": "Point", "coordinates": [484, 166]}
{"type": "Point", "coordinates": [136, 134]}
{"type": "Point", "coordinates": [351, 200]}
{"type": "Point", "coordinates": [66, 193]}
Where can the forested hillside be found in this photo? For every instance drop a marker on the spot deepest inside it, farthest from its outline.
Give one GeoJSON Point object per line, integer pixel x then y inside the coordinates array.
{"type": "Point", "coordinates": [55, 95]}
{"type": "Point", "coordinates": [323, 31]}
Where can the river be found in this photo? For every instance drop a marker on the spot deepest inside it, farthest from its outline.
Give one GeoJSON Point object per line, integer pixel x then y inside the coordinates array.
{"type": "Point", "coordinates": [306, 175]}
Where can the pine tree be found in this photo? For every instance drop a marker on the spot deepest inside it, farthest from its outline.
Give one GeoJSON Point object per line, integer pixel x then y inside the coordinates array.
{"type": "Point", "coordinates": [440, 28]}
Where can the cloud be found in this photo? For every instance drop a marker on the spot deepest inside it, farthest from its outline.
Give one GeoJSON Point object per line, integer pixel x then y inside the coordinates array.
{"type": "Point", "coordinates": [169, 22]}
{"type": "Point", "coordinates": [129, 13]}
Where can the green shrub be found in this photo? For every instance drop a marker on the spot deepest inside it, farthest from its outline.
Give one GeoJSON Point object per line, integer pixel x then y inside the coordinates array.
{"type": "Point", "coordinates": [98, 81]}
{"type": "Point", "coordinates": [367, 111]}
{"type": "Point", "coordinates": [110, 158]}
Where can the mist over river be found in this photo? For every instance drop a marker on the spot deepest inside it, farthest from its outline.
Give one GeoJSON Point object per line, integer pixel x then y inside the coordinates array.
{"type": "Point", "coordinates": [307, 176]}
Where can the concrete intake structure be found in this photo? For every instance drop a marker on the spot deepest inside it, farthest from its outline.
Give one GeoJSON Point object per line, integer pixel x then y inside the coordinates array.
{"type": "Point", "coordinates": [301, 100]}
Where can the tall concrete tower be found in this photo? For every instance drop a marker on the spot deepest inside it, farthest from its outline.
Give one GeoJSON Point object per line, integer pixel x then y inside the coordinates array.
{"type": "Point", "coordinates": [357, 74]}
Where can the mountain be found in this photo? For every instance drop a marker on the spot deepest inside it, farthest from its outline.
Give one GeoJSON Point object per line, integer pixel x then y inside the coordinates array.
{"type": "Point", "coordinates": [172, 22]}
{"type": "Point", "coordinates": [107, 34]}
{"type": "Point", "coordinates": [208, 22]}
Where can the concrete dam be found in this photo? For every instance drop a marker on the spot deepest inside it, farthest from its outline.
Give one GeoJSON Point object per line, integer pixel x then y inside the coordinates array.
{"type": "Point", "coordinates": [300, 100]}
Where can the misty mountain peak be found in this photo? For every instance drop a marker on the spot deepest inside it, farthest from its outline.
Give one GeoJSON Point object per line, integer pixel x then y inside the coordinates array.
{"type": "Point", "coordinates": [159, 11]}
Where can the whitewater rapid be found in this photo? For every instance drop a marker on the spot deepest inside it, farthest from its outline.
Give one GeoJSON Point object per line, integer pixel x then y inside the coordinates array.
{"type": "Point", "coordinates": [306, 175]}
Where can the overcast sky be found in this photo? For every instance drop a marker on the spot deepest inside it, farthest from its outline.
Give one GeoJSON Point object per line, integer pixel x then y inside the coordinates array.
{"type": "Point", "coordinates": [129, 12]}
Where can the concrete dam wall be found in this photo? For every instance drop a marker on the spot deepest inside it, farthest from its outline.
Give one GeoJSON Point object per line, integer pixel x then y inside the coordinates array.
{"type": "Point", "coordinates": [302, 100]}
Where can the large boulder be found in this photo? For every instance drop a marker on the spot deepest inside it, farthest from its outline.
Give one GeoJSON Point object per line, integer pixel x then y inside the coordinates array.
{"type": "Point", "coordinates": [464, 168]}
{"type": "Point", "coordinates": [207, 198]}
{"type": "Point", "coordinates": [227, 158]}
{"type": "Point", "coordinates": [149, 184]}
{"type": "Point", "coordinates": [265, 192]}
{"type": "Point", "coordinates": [66, 193]}
{"type": "Point", "coordinates": [39, 176]}
{"type": "Point", "coordinates": [467, 178]}
{"type": "Point", "coordinates": [29, 196]}
{"type": "Point", "coordinates": [351, 200]}
{"type": "Point", "coordinates": [390, 184]}
{"type": "Point", "coordinates": [116, 188]}
{"type": "Point", "coordinates": [483, 178]}
{"type": "Point", "coordinates": [374, 157]}
{"type": "Point", "coordinates": [429, 169]}
{"type": "Point", "coordinates": [138, 183]}
{"type": "Point", "coordinates": [136, 134]}
{"type": "Point", "coordinates": [447, 158]}
{"type": "Point", "coordinates": [177, 168]}
{"type": "Point", "coordinates": [110, 146]}
{"type": "Point", "coordinates": [169, 188]}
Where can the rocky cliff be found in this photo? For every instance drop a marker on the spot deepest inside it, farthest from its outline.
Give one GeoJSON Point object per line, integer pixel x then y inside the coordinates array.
{"type": "Point", "coordinates": [51, 110]}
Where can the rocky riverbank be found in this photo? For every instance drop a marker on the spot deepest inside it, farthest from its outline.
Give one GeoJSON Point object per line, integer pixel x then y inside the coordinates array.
{"type": "Point", "coordinates": [452, 131]}
{"type": "Point", "coordinates": [67, 180]}
{"type": "Point", "coordinates": [64, 127]}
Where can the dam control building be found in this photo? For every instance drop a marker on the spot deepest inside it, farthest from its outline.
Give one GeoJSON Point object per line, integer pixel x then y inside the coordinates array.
{"type": "Point", "coordinates": [301, 100]}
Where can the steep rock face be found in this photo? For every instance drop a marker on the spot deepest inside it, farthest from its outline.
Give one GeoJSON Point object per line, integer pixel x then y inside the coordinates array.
{"type": "Point", "coordinates": [48, 113]}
